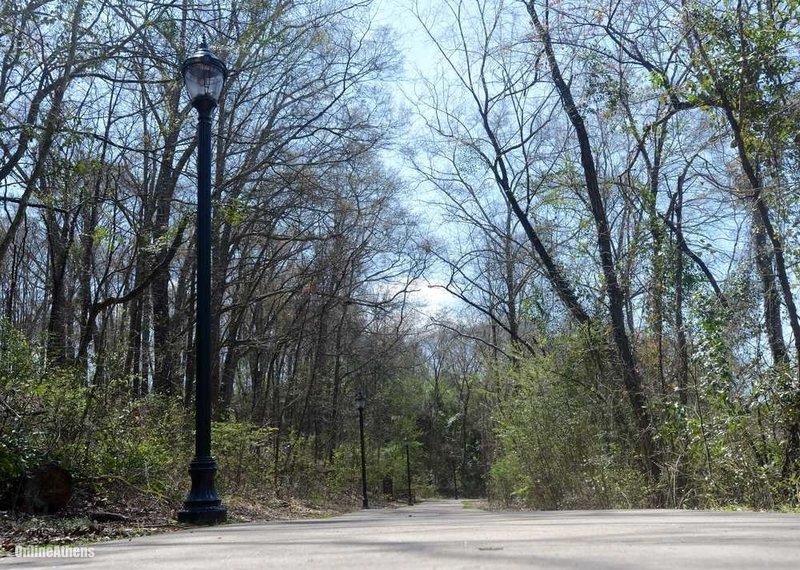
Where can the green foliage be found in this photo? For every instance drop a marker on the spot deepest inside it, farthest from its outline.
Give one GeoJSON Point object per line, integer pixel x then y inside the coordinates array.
{"type": "Point", "coordinates": [714, 351]}
{"type": "Point", "coordinates": [565, 439]}
{"type": "Point", "coordinates": [17, 367]}
{"type": "Point", "coordinates": [100, 431]}
{"type": "Point", "coordinates": [508, 479]}
{"type": "Point", "coordinates": [144, 441]}
{"type": "Point", "coordinates": [345, 468]}
{"type": "Point", "coordinates": [749, 61]}
{"type": "Point", "coordinates": [234, 212]}
{"type": "Point", "coordinates": [245, 450]}
{"type": "Point", "coordinates": [93, 431]}
{"type": "Point", "coordinates": [557, 449]}
{"type": "Point", "coordinates": [392, 464]}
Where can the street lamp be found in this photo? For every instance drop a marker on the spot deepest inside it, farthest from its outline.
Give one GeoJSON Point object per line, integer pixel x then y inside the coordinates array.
{"type": "Point", "coordinates": [204, 75]}
{"type": "Point", "coordinates": [361, 400]}
{"type": "Point", "coordinates": [455, 473]}
{"type": "Point", "coordinates": [408, 474]}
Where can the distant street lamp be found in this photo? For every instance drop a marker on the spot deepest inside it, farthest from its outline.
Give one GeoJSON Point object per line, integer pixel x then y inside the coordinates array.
{"type": "Point", "coordinates": [408, 474]}
{"type": "Point", "coordinates": [455, 474]}
{"type": "Point", "coordinates": [361, 401]}
{"type": "Point", "coordinates": [204, 75]}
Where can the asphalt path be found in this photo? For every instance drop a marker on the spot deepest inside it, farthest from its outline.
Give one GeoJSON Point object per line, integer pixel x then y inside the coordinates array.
{"type": "Point", "coordinates": [449, 534]}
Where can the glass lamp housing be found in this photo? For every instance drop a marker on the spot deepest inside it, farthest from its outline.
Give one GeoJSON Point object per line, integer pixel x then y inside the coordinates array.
{"type": "Point", "coordinates": [204, 74]}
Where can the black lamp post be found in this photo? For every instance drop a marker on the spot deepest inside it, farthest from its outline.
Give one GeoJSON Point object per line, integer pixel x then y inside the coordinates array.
{"type": "Point", "coordinates": [408, 474]}
{"type": "Point", "coordinates": [204, 76]}
{"type": "Point", "coordinates": [361, 400]}
{"type": "Point", "coordinates": [455, 474]}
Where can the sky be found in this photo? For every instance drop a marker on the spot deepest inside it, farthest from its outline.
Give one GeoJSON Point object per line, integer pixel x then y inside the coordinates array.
{"type": "Point", "coordinates": [419, 56]}
{"type": "Point", "coordinates": [411, 40]}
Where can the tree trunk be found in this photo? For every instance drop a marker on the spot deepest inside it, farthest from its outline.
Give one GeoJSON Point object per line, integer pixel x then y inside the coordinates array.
{"type": "Point", "coordinates": [770, 296]}
{"type": "Point", "coordinates": [682, 365]}
{"type": "Point", "coordinates": [633, 382]}
{"type": "Point", "coordinates": [164, 378]}
{"type": "Point", "coordinates": [59, 237]}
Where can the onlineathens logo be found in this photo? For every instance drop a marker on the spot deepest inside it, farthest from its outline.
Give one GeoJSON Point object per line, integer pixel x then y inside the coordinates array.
{"type": "Point", "coordinates": [54, 551]}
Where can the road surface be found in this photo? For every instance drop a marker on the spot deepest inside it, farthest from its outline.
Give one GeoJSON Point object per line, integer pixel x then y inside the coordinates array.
{"type": "Point", "coordinates": [446, 535]}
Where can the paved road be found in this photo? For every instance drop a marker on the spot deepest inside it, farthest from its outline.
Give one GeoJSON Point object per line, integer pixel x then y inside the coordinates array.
{"type": "Point", "coordinates": [444, 534]}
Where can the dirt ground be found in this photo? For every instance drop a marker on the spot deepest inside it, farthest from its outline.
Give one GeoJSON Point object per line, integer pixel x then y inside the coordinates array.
{"type": "Point", "coordinates": [112, 509]}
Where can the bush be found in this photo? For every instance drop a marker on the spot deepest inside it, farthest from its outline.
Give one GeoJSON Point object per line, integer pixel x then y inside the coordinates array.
{"type": "Point", "coordinates": [244, 449]}
{"type": "Point", "coordinates": [19, 412]}
{"type": "Point", "coordinates": [555, 451]}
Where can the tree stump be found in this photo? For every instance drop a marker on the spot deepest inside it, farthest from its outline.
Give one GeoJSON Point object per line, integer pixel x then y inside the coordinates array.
{"type": "Point", "coordinates": [46, 488]}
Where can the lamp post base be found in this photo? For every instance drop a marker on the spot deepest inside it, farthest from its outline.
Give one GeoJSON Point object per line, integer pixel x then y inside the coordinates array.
{"type": "Point", "coordinates": [190, 514]}
{"type": "Point", "coordinates": [203, 506]}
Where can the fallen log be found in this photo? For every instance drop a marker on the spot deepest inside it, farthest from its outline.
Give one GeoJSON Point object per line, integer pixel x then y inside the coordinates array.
{"type": "Point", "coordinates": [102, 516]}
